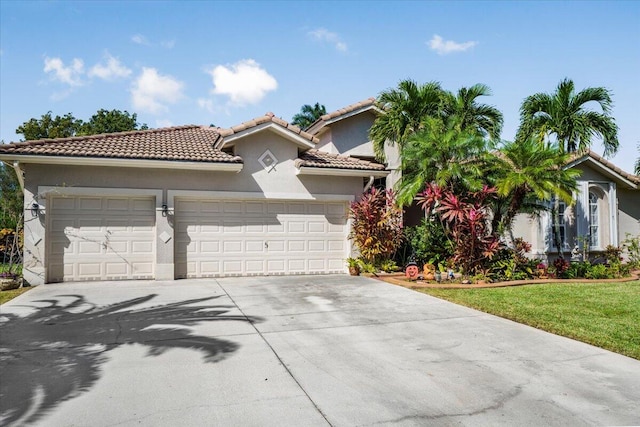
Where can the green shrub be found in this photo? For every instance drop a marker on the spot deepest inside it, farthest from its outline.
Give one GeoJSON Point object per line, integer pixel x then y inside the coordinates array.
{"type": "Point", "coordinates": [632, 245]}
{"type": "Point", "coordinates": [599, 271]}
{"type": "Point", "coordinates": [389, 266]}
{"type": "Point", "coordinates": [428, 242]}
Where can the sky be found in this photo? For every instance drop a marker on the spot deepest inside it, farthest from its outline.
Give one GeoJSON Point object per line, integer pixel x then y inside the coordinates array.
{"type": "Point", "coordinates": [223, 63]}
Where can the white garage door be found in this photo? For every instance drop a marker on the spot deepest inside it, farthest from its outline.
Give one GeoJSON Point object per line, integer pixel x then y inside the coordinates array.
{"type": "Point", "coordinates": [100, 238]}
{"type": "Point", "coordinates": [228, 238]}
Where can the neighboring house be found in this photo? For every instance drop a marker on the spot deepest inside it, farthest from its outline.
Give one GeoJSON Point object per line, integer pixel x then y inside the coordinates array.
{"type": "Point", "coordinates": [190, 201]}
{"type": "Point", "coordinates": [606, 209]}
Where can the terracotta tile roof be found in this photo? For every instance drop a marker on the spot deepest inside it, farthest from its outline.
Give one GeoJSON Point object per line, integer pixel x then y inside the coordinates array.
{"type": "Point", "coordinates": [267, 118]}
{"type": "Point", "coordinates": [181, 143]}
{"type": "Point", "coordinates": [348, 109]}
{"type": "Point", "coordinates": [319, 159]}
{"type": "Point", "coordinates": [598, 158]}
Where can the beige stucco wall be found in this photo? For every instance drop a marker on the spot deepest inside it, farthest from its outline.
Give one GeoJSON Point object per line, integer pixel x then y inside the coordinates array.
{"type": "Point", "coordinates": [281, 182]}
{"type": "Point", "coordinates": [628, 213]}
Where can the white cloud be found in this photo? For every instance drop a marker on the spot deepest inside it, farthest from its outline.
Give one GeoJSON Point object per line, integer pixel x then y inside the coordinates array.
{"type": "Point", "coordinates": [164, 123]}
{"type": "Point", "coordinates": [112, 70]}
{"type": "Point", "coordinates": [151, 91]}
{"type": "Point", "coordinates": [326, 36]}
{"type": "Point", "coordinates": [140, 39]}
{"type": "Point", "coordinates": [168, 44]}
{"type": "Point", "coordinates": [244, 82]}
{"type": "Point", "coordinates": [71, 74]}
{"type": "Point", "coordinates": [206, 104]}
{"type": "Point", "coordinates": [443, 47]}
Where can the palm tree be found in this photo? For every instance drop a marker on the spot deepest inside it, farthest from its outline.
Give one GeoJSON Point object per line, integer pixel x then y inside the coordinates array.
{"type": "Point", "coordinates": [444, 154]}
{"type": "Point", "coordinates": [308, 115]}
{"type": "Point", "coordinates": [480, 118]}
{"type": "Point", "coordinates": [526, 173]}
{"type": "Point", "coordinates": [637, 171]}
{"type": "Point", "coordinates": [406, 107]}
{"type": "Point", "coordinates": [566, 115]}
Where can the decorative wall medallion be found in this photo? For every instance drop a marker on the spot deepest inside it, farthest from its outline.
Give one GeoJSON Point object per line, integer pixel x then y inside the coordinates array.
{"type": "Point", "coordinates": [268, 160]}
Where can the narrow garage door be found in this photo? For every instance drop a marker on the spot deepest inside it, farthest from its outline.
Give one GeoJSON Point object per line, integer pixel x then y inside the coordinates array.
{"type": "Point", "coordinates": [227, 238]}
{"type": "Point", "coordinates": [100, 238]}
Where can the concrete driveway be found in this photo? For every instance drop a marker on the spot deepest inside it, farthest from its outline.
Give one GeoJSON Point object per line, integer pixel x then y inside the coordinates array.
{"type": "Point", "coordinates": [292, 351]}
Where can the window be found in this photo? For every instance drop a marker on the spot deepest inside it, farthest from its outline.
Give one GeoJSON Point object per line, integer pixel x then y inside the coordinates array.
{"type": "Point", "coordinates": [563, 231]}
{"type": "Point", "coordinates": [593, 220]}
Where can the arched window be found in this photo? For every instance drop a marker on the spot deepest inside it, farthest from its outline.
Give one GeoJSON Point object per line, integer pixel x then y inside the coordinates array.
{"type": "Point", "coordinates": [594, 220]}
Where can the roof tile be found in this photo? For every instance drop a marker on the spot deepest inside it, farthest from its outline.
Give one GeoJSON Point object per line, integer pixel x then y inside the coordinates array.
{"type": "Point", "coordinates": [267, 118]}
{"type": "Point", "coordinates": [320, 159]}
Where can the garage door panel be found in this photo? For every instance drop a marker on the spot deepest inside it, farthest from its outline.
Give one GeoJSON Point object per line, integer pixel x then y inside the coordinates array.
{"type": "Point", "coordinates": [259, 237]}
{"type": "Point", "coordinates": [102, 238]}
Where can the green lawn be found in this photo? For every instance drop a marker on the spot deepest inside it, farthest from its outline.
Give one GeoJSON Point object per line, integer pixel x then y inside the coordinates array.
{"type": "Point", "coordinates": [9, 295]}
{"type": "Point", "coordinates": [606, 315]}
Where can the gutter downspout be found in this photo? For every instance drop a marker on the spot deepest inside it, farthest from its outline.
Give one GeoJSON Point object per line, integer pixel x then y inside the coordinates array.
{"type": "Point", "coordinates": [369, 184]}
{"type": "Point", "coordinates": [19, 174]}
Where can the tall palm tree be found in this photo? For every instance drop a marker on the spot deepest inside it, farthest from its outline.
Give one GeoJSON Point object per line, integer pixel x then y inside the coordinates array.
{"type": "Point", "coordinates": [406, 108]}
{"type": "Point", "coordinates": [567, 116]}
{"type": "Point", "coordinates": [308, 114]}
{"type": "Point", "coordinates": [444, 154]}
{"type": "Point", "coordinates": [528, 171]}
{"type": "Point", "coordinates": [483, 119]}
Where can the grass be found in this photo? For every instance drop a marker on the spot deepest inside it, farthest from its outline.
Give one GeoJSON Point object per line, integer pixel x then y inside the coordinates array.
{"type": "Point", "coordinates": [9, 295]}
{"type": "Point", "coordinates": [606, 315]}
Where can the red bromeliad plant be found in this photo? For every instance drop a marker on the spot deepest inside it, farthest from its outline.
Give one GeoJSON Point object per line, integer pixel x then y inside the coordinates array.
{"type": "Point", "coordinates": [376, 225]}
{"type": "Point", "coordinates": [465, 217]}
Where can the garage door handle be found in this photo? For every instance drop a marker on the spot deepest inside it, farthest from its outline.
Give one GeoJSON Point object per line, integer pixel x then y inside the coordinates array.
{"type": "Point", "coordinates": [266, 245]}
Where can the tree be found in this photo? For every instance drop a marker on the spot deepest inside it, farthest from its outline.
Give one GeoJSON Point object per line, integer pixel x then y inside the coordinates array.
{"type": "Point", "coordinates": [10, 198]}
{"type": "Point", "coordinates": [308, 115]}
{"type": "Point", "coordinates": [482, 119]}
{"type": "Point", "coordinates": [49, 127]}
{"type": "Point", "coordinates": [444, 154]}
{"type": "Point", "coordinates": [103, 121]}
{"type": "Point", "coordinates": [529, 172]}
{"type": "Point", "coordinates": [405, 110]}
{"type": "Point", "coordinates": [637, 168]}
{"type": "Point", "coordinates": [568, 117]}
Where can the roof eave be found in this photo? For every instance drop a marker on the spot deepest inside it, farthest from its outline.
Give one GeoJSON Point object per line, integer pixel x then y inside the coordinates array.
{"type": "Point", "coordinates": [321, 123]}
{"type": "Point", "coordinates": [365, 173]}
{"type": "Point", "coordinates": [119, 162]}
{"type": "Point", "coordinates": [603, 168]}
{"type": "Point", "coordinates": [286, 133]}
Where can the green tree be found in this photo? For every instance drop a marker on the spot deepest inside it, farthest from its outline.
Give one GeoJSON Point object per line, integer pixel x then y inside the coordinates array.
{"type": "Point", "coordinates": [637, 169]}
{"type": "Point", "coordinates": [526, 173]}
{"type": "Point", "coordinates": [405, 111]}
{"type": "Point", "coordinates": [105, 121]}
{"type": "Point", "coordinates": [49, 127]}
{"type": "Point", "coordinates": [308, 115]}
{"type": "Point", "coordinates": [568, 117]}
{"type": "Point", "coordinates": [10, 198]}
{"type": "Point", "coordinates": [480, 118]}
{"type": "Point", "coordinates": [443, 154]}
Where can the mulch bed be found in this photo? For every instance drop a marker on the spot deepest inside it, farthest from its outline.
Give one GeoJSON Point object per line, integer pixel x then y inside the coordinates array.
{"type": "Point", "coordinates": [400, 280]}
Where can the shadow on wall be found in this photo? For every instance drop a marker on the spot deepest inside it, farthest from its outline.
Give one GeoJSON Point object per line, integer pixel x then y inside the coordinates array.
{"type": "Point", "coordinates": [56, 353]}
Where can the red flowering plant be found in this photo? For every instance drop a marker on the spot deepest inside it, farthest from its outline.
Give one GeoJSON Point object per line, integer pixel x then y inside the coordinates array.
{"type": "Point", "coordinates": [465, 217]}
{"type": "Point", "coordinates": [376, 227]}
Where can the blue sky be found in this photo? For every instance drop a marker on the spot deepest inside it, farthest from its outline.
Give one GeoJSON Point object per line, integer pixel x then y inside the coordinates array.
{"type": "Point", "coordinates": [223, 63]}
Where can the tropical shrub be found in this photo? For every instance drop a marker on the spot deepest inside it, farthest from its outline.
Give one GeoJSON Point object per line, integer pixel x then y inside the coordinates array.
{"type": "Point", "coordinates": [376, 225]}
{"type": "Point", "coordinates": [465, 218]}
{"type": "Point", "coordinates": [428, 242]}
{"type": "Point", "coordinates": [631, 245]}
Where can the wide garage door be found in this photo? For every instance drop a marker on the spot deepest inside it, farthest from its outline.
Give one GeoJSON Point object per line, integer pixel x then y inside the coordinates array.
{"type": "Point", "coordinates": [100, 238]}
{"type": "Point", "coordinates": [253, 237]}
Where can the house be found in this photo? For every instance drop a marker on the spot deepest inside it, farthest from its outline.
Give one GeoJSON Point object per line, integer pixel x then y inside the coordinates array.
{"type": "Point", "coordinates": [260, 198]}
{"type": "Point", "coordinates": [606, 209]}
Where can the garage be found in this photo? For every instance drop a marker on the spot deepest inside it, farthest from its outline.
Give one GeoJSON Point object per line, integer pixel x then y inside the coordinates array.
{"type": "Point", "coordinates": [216, 238]}
{"type": "Point", "coordinates": [100, 238]}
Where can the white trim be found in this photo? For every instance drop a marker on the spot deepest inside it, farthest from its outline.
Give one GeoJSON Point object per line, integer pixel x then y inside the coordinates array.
{"type": "Point", "coordinates": [238, 195]}
{"type": "Point", "coordinates": [44, 192]}
{"type": "Point", "coordinates": [282, 131]}
{"type": "Point", "coordinates": [19, 174]}
{"type": "Point", "coordinates": [306, 170]}
{"type": "Point", "coordinates": [613, 214]}
{"type": "Point", "coordinates": [131, 163]}
{"type": "Point", "coordinates": [320, 125]}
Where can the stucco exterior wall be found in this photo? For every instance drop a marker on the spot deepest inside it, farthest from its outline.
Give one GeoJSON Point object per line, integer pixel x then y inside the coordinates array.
{"type": "Point", "coordinates": [279, 182]}
{"type": "Point", "coordinates": [628, 213]}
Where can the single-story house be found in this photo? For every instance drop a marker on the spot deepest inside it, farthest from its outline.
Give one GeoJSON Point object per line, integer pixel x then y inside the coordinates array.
{"type": "Point", "coordinates": [260, 198]}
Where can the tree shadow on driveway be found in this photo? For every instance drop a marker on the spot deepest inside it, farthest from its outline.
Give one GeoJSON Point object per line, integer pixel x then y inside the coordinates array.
{"type": "Point", "coordinates": [56, 353]}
